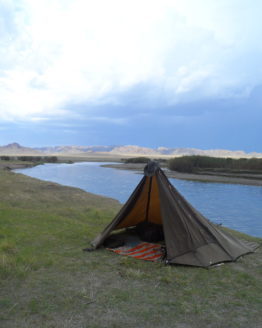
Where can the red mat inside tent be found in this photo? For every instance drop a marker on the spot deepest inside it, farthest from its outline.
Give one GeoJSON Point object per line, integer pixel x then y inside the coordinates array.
{"type": "Point", "coordinates": [142, 251]}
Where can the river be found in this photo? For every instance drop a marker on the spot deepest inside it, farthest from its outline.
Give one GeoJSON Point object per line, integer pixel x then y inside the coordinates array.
{"type": "Point", "coordinates": [235, 206]}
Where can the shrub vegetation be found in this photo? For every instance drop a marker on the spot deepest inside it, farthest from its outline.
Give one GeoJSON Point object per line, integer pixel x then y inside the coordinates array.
{"type": "Point", "coordinates": [137, 160]}
{"type": "Point", "coordinates": [34, 159]}
{"type": "Point", "coordinates": [45, 159]}
{"type": "Point", "coordinates": [191, 164]}
{"type": "Point", "coordinates": [5, 158]}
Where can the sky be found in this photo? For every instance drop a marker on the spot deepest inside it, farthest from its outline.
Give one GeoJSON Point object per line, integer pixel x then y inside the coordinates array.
{"type": "Point", "coordinates": [172, 73]}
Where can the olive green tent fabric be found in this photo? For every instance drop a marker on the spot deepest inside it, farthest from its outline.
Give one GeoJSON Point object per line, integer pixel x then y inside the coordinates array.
{"type": "Point", "coordinates": [189, 237]}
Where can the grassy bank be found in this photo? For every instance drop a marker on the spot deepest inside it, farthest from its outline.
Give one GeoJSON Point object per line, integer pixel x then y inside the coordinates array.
{"type": "Point", "coordinates": [47, 281]}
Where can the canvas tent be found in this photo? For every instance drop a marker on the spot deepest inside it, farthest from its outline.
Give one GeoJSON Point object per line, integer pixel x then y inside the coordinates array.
{"type": "Point", "coordinates": [189, 237]}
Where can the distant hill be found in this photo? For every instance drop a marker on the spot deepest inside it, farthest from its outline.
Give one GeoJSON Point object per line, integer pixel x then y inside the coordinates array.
{"type": "Point", "coordinates": [16, 149]}
{"type": "Point", "coordinates": [136, 150]}
{"type": "Point", "coordinates": [74, 149]}
{"type": "Point", "coordinates": [130, 150]}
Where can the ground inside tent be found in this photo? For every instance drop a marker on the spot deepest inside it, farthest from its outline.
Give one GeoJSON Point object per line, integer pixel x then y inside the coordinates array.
{"type": "Point", "coordinates": [128, 243]}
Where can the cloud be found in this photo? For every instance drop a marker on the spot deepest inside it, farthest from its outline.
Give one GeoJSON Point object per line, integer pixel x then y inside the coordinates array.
{"type": "Point", "coordinates": [56, 54]}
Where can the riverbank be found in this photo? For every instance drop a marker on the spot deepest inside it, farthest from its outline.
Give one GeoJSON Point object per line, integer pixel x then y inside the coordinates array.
{"type": "Point", "coordinates": [218, 177]}
{"type": "Point", "coordinates": [47, 281]}
{"type": "Point", "coordinates": [14, 163]}
{"type": "Point", "coordinates": [253, 180]}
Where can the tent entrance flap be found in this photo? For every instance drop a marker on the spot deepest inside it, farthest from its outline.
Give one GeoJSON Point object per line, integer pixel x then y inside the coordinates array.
{"type": "Point", "coordinates": [148, 198]}
{"type": "Point", "coordinates": [137, 210]}
{"type": "Point", "coordinates": [146, 207]}
{"type": "Point", "coordinates": [154, 208]}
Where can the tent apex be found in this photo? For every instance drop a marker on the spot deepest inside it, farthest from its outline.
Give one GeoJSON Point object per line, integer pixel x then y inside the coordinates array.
{"type": "Point", "coordinates": [151, 168]}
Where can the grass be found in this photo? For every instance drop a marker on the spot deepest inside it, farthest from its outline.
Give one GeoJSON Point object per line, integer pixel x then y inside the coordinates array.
{"type": "Point", "coordinates": [47, 281]}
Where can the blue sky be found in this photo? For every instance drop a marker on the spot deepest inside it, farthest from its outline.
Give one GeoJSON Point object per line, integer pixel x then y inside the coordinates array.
{"type": "Point", "coordinates": [151, 73]}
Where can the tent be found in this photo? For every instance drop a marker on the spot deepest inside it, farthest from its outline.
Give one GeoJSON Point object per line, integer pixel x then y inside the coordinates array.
{"type": "Point", "coordinates": [189, 237]}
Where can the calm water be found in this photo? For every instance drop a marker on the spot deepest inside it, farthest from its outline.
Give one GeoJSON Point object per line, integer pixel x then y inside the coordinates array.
{"type": "Point", "coordinates": [235, 206]}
